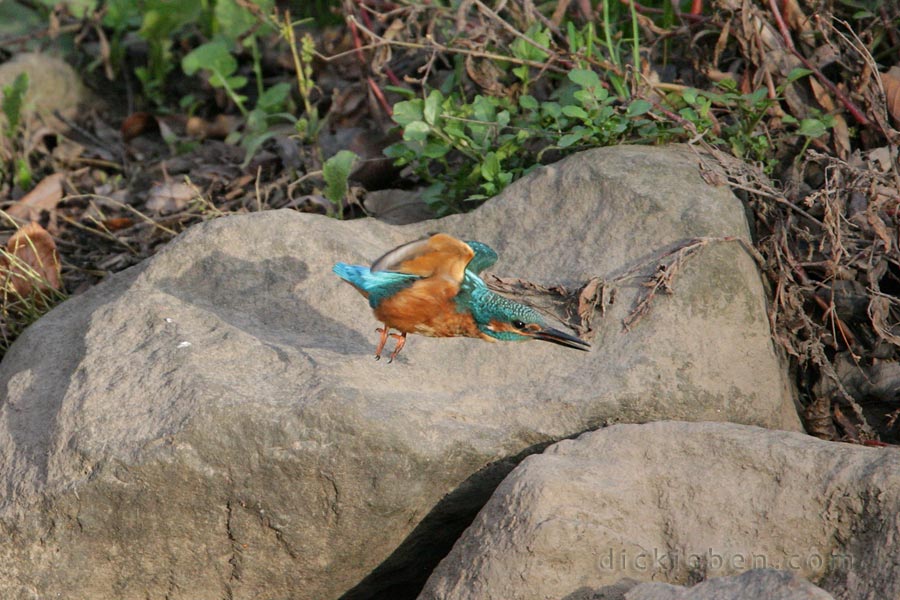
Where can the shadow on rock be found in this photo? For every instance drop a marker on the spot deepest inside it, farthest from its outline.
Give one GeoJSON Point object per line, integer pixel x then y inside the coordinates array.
{"type": "Point", "coordinates": [403, 574]}
{"type": "Point", "coordinates": [260, 298]}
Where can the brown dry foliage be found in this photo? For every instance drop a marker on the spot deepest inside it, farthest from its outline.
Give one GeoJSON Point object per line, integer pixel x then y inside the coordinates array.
{"type": "Point", "coordinates": [30, 265]}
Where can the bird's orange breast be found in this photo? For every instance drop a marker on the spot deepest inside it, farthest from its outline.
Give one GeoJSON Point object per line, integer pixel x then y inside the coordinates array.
{"type": "Point", "coordinates": [427, 308]}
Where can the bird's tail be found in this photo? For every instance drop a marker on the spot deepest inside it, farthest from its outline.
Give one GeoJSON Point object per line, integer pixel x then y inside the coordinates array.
{"type": "Point", "coordinates": [353, 274]}
{"type": "Point", "coordinates": [374, 286]}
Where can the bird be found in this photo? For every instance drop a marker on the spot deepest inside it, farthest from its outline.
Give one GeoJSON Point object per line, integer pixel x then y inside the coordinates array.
{"type": "Point", "coordinates": [432, 287]}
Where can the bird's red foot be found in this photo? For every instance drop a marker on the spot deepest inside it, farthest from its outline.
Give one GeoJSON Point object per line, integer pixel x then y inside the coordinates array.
{"type": "Point", "coordinates": [385, 332]}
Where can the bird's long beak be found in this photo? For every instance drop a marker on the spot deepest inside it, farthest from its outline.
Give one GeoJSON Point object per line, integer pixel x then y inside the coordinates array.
{"type": "Point", "coordinates": [563, 339]}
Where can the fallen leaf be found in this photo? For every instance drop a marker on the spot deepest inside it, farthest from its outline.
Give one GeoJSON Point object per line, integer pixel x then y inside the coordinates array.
{"type": "Point", "coordinates": [382, 56]}
{"type": "Point", "coordinates": [891, 83]}
{"type": "Point", "coordinates": [841, 134]}
{"type": "Point", "coordinates": [796, 19]}
{"type": "Point", "coordinates": [170, 197]}
{"type": "Point", "coordinates": [117, 223]}
{"type": "Point", "coordinates": [45, 196]}
{"type": "Point", "coordinates": [846, 424]}
{"type": "Point", "coordinates": [881, 158]}
{"type": "Point", "coordinates": [218, 128]}
{"type": "Point", "coordinates": [880, 228]}
{"type": "Point", "coordinates": [821, 94]}
{"type": "Point", "coordinates": [879, 315]}
{"type": "Point", "coordinates": [590, 299]}
{"type": "Point", "coordinates": [312, 203]}
{"type": "Point", "coordinates": [136, 124]}
{"type": "Point", "coordinates": [818, 419]}
{"type": "Point", "coordinates": [30, 262]}
{"type": "Point", "coordinates": [486, 75]}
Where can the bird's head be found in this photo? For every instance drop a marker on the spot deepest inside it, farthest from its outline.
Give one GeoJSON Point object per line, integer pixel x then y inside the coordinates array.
{"type": "Point", "coordinates": [509, 321]}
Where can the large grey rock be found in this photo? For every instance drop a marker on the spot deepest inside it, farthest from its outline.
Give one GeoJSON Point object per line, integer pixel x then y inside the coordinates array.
{"type": "Point", "coordinates": [676, 502]}
{"type": "Point", "coordinates": [211, 423]}
{"type": "Point", "coordinates": [755, 584]}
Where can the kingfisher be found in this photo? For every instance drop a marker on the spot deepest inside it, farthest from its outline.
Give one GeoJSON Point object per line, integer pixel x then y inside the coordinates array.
{"type": "Point", "coordinates": [432, 286]}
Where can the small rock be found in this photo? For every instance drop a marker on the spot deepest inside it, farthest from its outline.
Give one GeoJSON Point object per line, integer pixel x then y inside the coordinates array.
{"type": "Point", "coordinates": [53, 85]}
{"type": "Point", "coordinates": [398, 207]}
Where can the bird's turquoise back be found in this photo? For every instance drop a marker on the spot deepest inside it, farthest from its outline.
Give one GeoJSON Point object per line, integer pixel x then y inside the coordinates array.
{"type": "Point", "coordinates": [376, 286]}
{"type": "Point", "coordinates": [485, 306]}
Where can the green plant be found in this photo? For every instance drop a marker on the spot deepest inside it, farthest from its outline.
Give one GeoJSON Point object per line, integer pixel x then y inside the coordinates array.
{"type": "Point", "coordinates": [12, 155]}
{"type": "Point", "coordinates": [336, 172]}
{"type": "Point", "coordinates": [218, 59]}
{"type": "Point", "coordinates": [500, 139]}
{"type": "Point", "coordinates": [161, 21]}
{"type": "Point", "coordinates": [307, 126]}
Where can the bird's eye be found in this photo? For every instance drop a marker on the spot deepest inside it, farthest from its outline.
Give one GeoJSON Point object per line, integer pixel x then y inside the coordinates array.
{"type": "Point", "coordinates": [518, 324]}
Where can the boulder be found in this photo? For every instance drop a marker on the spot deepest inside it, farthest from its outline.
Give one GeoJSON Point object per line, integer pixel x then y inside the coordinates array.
{"type": "Point", "coordinates": [675, 502]}
{"type": "Point", "coordinates": [211, 422]}
{"type": "Point", "coordinates": [751, 585]}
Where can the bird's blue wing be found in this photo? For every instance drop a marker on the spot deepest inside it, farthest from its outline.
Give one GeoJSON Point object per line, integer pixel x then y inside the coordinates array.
{"type": "Point", "coordinates": [376, 286]}
{"type": "Point", "coordinates": [484, 257]}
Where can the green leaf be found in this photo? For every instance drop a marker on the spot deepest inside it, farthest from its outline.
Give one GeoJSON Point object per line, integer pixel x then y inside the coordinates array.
{"type": "Point", "coordinates": [528, 102]}
{"type": "Point", "coordinates": [521, 72]}
{"type": "Point", "coordinates": [435, 149]}
{"type": "Point", "coordinates": [22, 176]}
{"type": "Point", "coordinates": [574, 111]}
{"type": "Point", "coordinates": [13, 97]}
{"type": "Point", "coordinates": [432, 108]}
{"type": "Point", "coordinates": [233, 20]}
{"type": "Point", "coordinates": [275, 98]}
{"type": "Point", "coordinates": [336, 172]}
{"type": "Point", "coordinates": [122, 14]}
{"type": "Point", "coordinates": [405, 92]}
{"type": "Point", "coordinates": [569, 139]}
{"type": "Point", "coordinates": [585, 78]}
{"type": "Point", "coordinates": [812, 128]}
{"type": "Point", "coordinates": [525, 50]}
{"type": "Point", "coordinates": [551, 109]}
{"type": "Point", "coordinates": [407, 112]}
{"type": "Point", "coordinates": [163, 18]}
{"type": "Point", "coordinates": [212, 56]}
{"type": "Point", "coordinates": [798, 73]}
{"type": "Point", "coordinates": [490, 168]}
{"type": "Point", "coordinates": [485, 108]}
{"type": "Point", "coordinates": [638, 108]}
{"type": "Point", "coordinates": [252, 143]}
{"type": "Point", "coordinates": [416, 131]}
